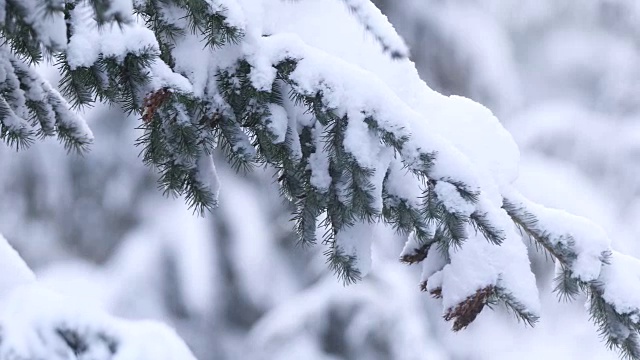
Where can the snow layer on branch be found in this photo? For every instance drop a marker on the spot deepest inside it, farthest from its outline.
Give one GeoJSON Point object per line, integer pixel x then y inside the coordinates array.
{"type": "Point", "coordinates": [319, 162]}
{"type": "Point", "coordinates": [379, 26]}
{"type": "Point", "coordinates": [33, 318]}
{"type": "Point", "coordinates": [403, 184]}
{"type": "Point", "coordinates": [434, 262]}
{"type": "Point", "coordinates": [585, 239]}
{"type": "Point", "coordinates": [277, 122]}
{"type": "Point", "coordinates": [479, 263]}
{"type": "Point", "coordinates": [621, 282]}
{"type": "Point", "coordinates": [14, 271]}
{"type": "Point", "coordinates": [50, 26]}
{"type": "Point", "coordinates": [89, 40]}
{"type": "Point", "coordinates": [471, 145]}
{"type": "Point", "coordinates": [466, 124]}
{"type": "Point", "coordinates": [233, 12]}
{"type": "Point", "coordinates": [452, 200]}
{"type": "Point", "coordinates": [356, 92]}
{"type": "Point", "coordinates": [356, 241]}
{"type": "Point", "coordinates": [207, 175]}
{"type": "Point", "coordinates": [413, 244]}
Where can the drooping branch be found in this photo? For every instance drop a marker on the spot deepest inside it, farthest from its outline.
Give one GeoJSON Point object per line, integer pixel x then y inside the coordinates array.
{"type": "Point", "coordinates": [586, 262]}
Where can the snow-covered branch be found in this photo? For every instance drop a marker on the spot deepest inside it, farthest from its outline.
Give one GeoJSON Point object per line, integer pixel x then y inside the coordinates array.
{"type": "Point", "coordinates": [356, 138]}
{"type": "Point", "coordinates": [37, 323]}
{"type": "Point", "coordinates": [587, 264]}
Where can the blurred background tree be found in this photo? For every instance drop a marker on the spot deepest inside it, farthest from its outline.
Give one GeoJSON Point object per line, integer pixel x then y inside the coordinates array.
{"type": "Point", "coordinates": [562, 75]}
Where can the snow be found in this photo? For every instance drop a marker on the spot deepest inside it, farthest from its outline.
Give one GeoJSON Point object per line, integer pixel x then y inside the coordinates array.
{"type": "Point", "coordinates": [357, 81]}
{"type": "Point", "coordinates": [15, 270]}
{"type": "Point", "coordinates": [403, 184]}
{"type": "Point", "coordinates": [32, 318]}
{"type": "Point", "coordinates": [434, 262]}
{"type": "Point", "coordinates": [207, 176]}
{"type": "Point", "coordinates": [410, 246]}
{"type": "Point", "coordinates": [475, 131]}
{"type": "Point", "coordinates": [319, 163]}
{"type": "Point", "coordinates": [360, 143]}
{"type": "Point", "coordinates": [356, 241]}
{"type": "Point", "coordinates": [378, 24]}
{"type": "Point", "coordinates": [478, 264]}
{"type": "Point", "coordinates": [89, 41]}
{"type": "Point", "coordinates": [50, 27]}
{"type": "Point", "coordinates": [68, 118]}
{"type": "Point", "coordinates": [277, 122]}
{"type": "Point", "coordinates": [452, 200]}
{"type": "Point", "coordinates": [621, 282]}
{"type": "Point", "coordinates": [589, 241]}
{"type": "Point", "coordinates": [232, 10]}
{"type": "Point", "coordinates": [359, 86]}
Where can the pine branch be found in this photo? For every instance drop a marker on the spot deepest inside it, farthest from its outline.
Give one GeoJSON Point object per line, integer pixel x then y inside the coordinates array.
{"type": "Point", "coordinates": [620, 329]}
{"type": "Point", "coordinates": [250, 110]}
{"type": "Point", "coordinates": [376, 24]}
{"type": "Point", "coordinates": [342, 265]}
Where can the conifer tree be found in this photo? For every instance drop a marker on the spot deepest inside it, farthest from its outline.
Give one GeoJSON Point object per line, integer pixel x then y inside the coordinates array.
{"type": "Point", "coordinates": [206, 75]}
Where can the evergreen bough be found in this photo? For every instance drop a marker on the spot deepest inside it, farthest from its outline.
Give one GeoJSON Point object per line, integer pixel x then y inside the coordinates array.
{"type": "Point", "coordinates": [240, 107]}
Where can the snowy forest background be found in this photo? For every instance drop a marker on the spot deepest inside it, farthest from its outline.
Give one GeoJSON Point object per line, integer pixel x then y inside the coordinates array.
{"type": "Point", "coordinates": [563, 77]}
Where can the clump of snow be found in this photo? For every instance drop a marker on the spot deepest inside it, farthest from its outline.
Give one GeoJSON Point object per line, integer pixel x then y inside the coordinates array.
{"type": "Point", "coordinates": [50, 26]}
{"type": "Point", "coordinates": [207, 175]}
{"type": "Point", "coordinates": [621, 283]}
{"type": "Point", "coordinates": [475, 131]}
{"type": "Point", "coordinates": [232, 10]}
{"type": "Point", "coordinates": [89, 41]}
{"type": "Point", "coordinates": [412, 244]}
{"type": "Point", "coordinates": [478, 264]}
{"type": "Point", "coordinates": [584, 238]}
{"type": "Point", "coordinates": [434, 262]}
{"type": "Point", "coordinates": [452, 200]}
{"type": "Point", "coordinates": [356, 241]}
{"type": "Point", "coordinates": [319, 162]}
{"type": "Point", "coordinates": [401, 183]}
{"type": "Point", "coordinates": [277, 122]}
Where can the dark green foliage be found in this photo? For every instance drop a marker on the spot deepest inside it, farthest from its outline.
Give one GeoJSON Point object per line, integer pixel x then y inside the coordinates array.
{"type": "Point", "coordinates": [482, 224]}
{"type": "Point", "coordinates": [503, 297]}
{"type": "Point", "coordinates": [342, 265]}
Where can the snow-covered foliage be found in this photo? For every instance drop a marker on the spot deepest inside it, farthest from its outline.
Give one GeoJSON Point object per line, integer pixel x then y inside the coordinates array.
{"type": "Point", "coordinates": [355, 136]}
{"type": "Point", "coordinates": [37, 323]}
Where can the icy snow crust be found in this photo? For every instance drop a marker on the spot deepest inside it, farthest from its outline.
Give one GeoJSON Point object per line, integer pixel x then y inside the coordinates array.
{"type": "Point", "coordinates": [336, 56]}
